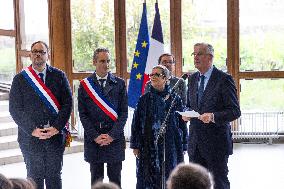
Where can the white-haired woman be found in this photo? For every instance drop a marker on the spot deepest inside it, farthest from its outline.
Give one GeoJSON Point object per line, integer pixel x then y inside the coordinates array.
{"type": "Point", "coordinates": [149, 115]}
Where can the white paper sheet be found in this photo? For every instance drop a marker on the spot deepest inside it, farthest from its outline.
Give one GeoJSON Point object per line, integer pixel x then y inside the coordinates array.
{"type": "Point", "coordinates": [189, 113]}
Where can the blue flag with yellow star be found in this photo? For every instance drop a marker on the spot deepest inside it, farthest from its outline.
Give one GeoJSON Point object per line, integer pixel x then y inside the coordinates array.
{"type": "Point", "coordinates": [139, 62]}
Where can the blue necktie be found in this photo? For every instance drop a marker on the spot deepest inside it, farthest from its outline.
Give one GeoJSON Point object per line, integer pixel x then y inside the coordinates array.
{"type": "Point", "coordinates": [41, 76]}
{"type": "Point", "coordinates": [200, 89]}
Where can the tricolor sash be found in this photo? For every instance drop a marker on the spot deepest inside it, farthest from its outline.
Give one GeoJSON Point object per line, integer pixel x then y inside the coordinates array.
{"type": "Point", "coordinates": [98, 98]}
{"type": "Point", "coordinates": [46, 96]}
{"type": "Point", "coordinates": [41, 89]}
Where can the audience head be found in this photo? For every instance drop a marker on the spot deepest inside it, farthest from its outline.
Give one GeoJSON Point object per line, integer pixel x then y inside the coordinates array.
{"type": "Point", "coordinates": [16, 183]}
{"type": "Point", "coordinates": [190, 176]}
{"type": "Point", "coordinates": [5, 183]}
{"type": "Point", "coordinates": [101, 185]}
{"type": "Point", "coordinates": [19, 183]}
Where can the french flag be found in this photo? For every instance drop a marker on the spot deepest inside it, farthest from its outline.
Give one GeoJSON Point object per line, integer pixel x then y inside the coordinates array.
{"type": "Point", "coordinates": [156, 48]}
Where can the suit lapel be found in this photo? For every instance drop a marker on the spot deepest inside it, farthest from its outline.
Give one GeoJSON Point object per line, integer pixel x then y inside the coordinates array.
{"type": "Point", "coordinates": [109, 83]}
{"type": "Point", "coordinates": [48, 78]}
{"type": "Point", "coordinates": [194, 90]}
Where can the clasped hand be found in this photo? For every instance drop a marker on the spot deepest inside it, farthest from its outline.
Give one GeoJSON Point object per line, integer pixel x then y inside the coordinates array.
{"type": "Point", "coordinates": [45, 133]}
{"type": "Point", "coordinates": [104, 139]}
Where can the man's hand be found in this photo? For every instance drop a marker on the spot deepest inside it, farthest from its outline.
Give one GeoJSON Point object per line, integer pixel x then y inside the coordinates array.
{"type": "Point", "coordinates": [206, 117]}
{"type": "Point", "coordinates": [104, 139]}
{"type": "Point", "coordinates": [40, 133]}
{"type": "Point", "coordinates": [51, 131]}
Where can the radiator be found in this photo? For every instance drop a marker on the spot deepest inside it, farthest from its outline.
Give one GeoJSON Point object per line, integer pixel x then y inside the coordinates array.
{"type": "Point", "coordinates": [258, 125]}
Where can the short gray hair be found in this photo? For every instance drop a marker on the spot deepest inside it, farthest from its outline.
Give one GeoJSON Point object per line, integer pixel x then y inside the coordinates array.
{"type": "Point", "coordinates": [209, 47]}
{"type": "Point", "coordinates": [165, 70]}
{"type": "Point", "coordinates": [98, 50]}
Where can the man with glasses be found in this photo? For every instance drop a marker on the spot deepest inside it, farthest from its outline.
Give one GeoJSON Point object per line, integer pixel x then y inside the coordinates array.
{"type": "Point", "coordinates": [168, 61]}
{"type": "Point", "coordinates": [40, 104]}
{"type": "Point", "coordinates": [212, 93]}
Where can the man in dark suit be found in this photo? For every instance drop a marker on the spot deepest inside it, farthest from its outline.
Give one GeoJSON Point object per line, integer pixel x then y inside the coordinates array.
{"type": "Point", "coordinates": [168, 61]}
{"type": "Point", "coordinates": [40, 104]}
{"type": "Point", "coordinates": [103, 110]}
{"type": "Point", "coordinates": [212, 93]}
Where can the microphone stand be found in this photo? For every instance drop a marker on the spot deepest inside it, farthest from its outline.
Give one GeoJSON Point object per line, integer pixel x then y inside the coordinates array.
{"type": "Point", "coordinates": [162, 133]}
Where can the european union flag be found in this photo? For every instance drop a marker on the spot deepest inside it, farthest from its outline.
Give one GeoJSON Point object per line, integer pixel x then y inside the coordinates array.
{"type": "Point", "coordinates": [139, 61]}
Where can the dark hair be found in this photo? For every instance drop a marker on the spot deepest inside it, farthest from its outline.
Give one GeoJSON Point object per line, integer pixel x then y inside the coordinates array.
{"type": "Point", "coordinates": [165, 54]}
{"type": "Point", "coordinates": [98, 50]}
{"type": "Point", "coordinates": [101, 185]}
{"type": "Point", "coordinates": [19, 183]}
{"type": "Point", "coordinates": [189, 176]}
{"type": "Point", "coordinates": [42, 42]}
{"type": "Point", "coordinates": [5, 183]}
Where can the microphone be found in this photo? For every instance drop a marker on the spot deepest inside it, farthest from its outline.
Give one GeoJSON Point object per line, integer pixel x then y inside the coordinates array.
{"type": "Point", "coordinates": [178, 83]}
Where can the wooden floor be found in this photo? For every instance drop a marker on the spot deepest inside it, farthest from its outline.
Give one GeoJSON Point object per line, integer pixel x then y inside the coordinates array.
{"type": "Point", "coordinates": [252, 166]}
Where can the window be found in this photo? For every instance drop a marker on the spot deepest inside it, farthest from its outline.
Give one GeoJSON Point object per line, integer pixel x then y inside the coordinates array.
{"type": "Point", "coordinates": [8, 59]}
{"type": "Point", "coordinates": [261, 35]}
{"type": "Point", "coordinates": [267, 98]}
{"type": "Point", "coordinates": [33, 22]}
{"type": "Point", "coordinates": [92, 27]}
{"type": "Point", "coordinates": [203, 23]}
{"type": "Point", "coordinates": [7, 15]}
{"type": "Point", "coordinates": [133, 19]}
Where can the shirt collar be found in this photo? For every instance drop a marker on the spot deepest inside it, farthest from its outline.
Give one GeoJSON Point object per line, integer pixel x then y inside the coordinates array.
{"type": "Point", "coordinates": [98, 77]}
{"type": "Point", "coordinates": [208, 73]}
{"type": "Point", "coordinates": [43, 71]}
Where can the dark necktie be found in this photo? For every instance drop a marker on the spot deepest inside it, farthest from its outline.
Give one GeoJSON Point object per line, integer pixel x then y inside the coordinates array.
{"type": "Point", "coordinates": [41, 76]}
{"type": "Point", "coordinates": [102, 85]}
{"type": "Point", "coordinates": [200, 89]}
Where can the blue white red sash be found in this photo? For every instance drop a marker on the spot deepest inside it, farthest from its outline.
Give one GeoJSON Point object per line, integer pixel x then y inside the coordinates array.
{"type": "Point", "coordinates": [98, 98]}
{"type": "Point", "coordinates": [41, 89]}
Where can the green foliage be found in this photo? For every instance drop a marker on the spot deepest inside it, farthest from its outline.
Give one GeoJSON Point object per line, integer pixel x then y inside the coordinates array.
{"type": "Point", "coordinates": [262, 50]}
{"type": "Point", "coordinates": [92, 27]}
{"type": "Point", "coordinates": [262, 95]}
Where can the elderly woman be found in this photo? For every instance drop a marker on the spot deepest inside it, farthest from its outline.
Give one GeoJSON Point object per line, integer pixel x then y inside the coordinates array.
{"type": "Point", "coordinates": [149, 115]}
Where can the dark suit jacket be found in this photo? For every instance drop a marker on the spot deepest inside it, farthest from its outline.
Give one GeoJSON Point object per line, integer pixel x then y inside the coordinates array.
{"type": "Point", "coordinates": [91, 115]}
{"type": "Point", "coordinates": [181, 90]}
{"type": "Point", "coordinates": [220, 98]}
{"type": "Point", "coordinates": [29, 112]}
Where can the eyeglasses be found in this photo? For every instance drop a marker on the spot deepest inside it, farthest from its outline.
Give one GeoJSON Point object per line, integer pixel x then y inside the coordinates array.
{"type": "Point", "coordinates": [198, 54]}
{"type": "Point", "coordinates": [156, 75]}
{"type": "Point", "coordinates": [41, 52]}
{"type": "Point", "coordinates": [167, 62]}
